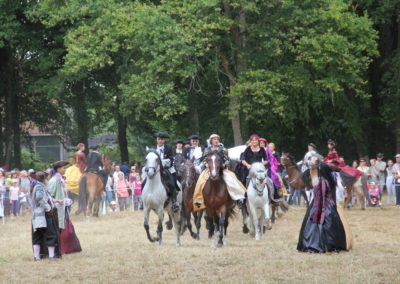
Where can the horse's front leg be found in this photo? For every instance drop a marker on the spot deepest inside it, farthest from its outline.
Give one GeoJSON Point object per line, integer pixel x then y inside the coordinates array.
{"type": "Point", "coordinates": [197, 219]}
{"type": "Point", "coordinates": [304, 194]}
{"type": "Point", "coordinates": [273, 218]}
{"type": "Point", "coordinates": [179, 224]}
{"type": "Point", "coordinates": [188, 220]}
{"type": "Point", "coordinates": [97, 205]}
{"type": "Point", "coordinates": [221, 229]}
{"type": "Point", "coordinates": [160, 214]}
{"type": "Point", "coordinates": [146, 213]}
{"type": "Point", "coordinates": [90, 204]}
{"type": "Point", "coordinates": [361, 196]}
{"type": "Point", "coordinates": [245, 216]}
{"type": "Point", "coordinates": [254, 220]}
{"type": "Point", "coordinates": [267, 217]}
{"type": "Point", "coordinates": [169, 222]}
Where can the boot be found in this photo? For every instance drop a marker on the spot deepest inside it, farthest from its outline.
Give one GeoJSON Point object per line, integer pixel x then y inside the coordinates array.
{"type": "Point", "coordinates": [240, 203]}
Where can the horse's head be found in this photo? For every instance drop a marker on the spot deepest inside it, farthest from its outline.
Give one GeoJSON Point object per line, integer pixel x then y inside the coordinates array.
{"type": "Point", "coordinates": [152, 164]}
{"type": "Point", "coordinates": [313, 160]}
{"type": "Point", "coordinates": [179, 165]}
{"type": "Point", "coordinates": [214, 163]}
{"type": "Point", "coordinates": [258, 173]}
{"type": "Point", "coordinates": [188, 174]}
{"type": "Point", "coordinates": [287, 160]}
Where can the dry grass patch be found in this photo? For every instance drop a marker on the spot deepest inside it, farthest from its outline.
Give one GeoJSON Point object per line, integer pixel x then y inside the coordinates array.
{"type": "Point", "coordinates": [115, 249]}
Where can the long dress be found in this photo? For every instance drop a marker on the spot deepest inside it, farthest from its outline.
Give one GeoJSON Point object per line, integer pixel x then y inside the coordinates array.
{"type": "Point", "coordinates": [323, 229]}
{"type": "Point", "coordinates": [348, 174]}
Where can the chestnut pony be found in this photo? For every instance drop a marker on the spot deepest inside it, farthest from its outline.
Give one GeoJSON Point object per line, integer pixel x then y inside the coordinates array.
{"type": "Point", "coordinates": [294, 176]}
{"type": "Point", "coordinates": [219, 204]}
{"type": "Point", "coordinates": [90, 189]}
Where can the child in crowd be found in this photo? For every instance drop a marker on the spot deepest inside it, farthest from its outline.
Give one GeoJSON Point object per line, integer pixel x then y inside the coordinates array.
{"type": "Point", "coordinates": [109, 190]}
{"type": "Point", "coordinates": [14, 196]}
{"type": "Point", "coordinates": [137, 198]}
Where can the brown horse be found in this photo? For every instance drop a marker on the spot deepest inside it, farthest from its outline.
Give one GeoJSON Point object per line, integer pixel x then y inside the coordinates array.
{"type": "Point", "coordinates": [90, 189]}
{"type": "Point", "coordinates": [294, 176]}
{"type": "Point", "coordinates": [189, 179]}
{"type": "Point", "coordinates": [219, 204]}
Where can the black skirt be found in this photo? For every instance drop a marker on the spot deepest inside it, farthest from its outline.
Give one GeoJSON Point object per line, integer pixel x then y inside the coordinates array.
{"type": "Point", "coordinates": [49, 236]}
{"type": "Point", "coordinates": [320, 238]}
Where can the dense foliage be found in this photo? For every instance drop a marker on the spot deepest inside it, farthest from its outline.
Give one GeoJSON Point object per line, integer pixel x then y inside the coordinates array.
{"type": "Point", "coordinates": [292, 71]}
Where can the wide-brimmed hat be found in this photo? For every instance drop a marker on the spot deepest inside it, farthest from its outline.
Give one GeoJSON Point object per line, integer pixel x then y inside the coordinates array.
{"type": "Point", "coordinates": [397, 156]}
{"type": "Point", "coordinates": [161, 134]}
{"type": "Point", "coordinates": [41, 176]}
{"type": "Point", "coordinates": [331, 142]}
{"type": "Point", "coordinates": [212, 136]}
{"type": "Point", "coordinates": [379, 155]}
{"type": "Point", "coordinates": [60, 164]}
{"type": "Point", "coordinates": [179, 141]}
{"type": "Point", "coordinates": [263, 140]}
{"type": "Point", "coordinates": [31, 171]}
{"type": "Point", "coordinates": [186, 142]}
{"type": "Point", "coordinates": [194, 137]}
{"type": "Point", "coordinates": [312, 145]}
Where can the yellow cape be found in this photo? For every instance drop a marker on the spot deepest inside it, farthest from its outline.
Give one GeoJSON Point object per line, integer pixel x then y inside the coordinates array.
{"type": "Point", "coordinates": [73, 175]}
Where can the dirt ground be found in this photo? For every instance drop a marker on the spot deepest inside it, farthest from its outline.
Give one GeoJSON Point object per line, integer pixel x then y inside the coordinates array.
{"type": "Point", "coordinates": [116, 250]}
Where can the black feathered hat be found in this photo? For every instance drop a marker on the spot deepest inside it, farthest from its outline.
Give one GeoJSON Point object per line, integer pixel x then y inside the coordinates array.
{"type": "Point", "coordinates": [161, 134]}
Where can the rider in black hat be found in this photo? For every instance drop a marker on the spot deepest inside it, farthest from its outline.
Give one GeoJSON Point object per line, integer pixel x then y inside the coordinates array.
{"type": "Point", "coordinates": [195, 152]}
{"type": "Point", "coordinates": [169, 174]}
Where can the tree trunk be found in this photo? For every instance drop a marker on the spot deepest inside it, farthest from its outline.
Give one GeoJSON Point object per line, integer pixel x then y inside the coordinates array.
{"type": "Point", "coordinates": [239, 38]}
{"type": "Point", "coordinates": [194, 113]}
{"type": "Point", "coordinates": [81, 114]}
{"type": "Point", "coordinates": [17, 132]}
{"type": "Point", "coordinates": [1, 134]}
{"type": "Point", "coordinates": [122, 125]}
{"type": "Point", "coordinates": [397, 127]}
{"type": "Point", "coordinates": [9, 103]}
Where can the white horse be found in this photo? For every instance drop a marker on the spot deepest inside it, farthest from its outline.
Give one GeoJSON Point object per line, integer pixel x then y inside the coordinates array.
{"type": "Point", "coordinates": [258, 191]}
{"type": "Point", "coordinates": [154, 197]}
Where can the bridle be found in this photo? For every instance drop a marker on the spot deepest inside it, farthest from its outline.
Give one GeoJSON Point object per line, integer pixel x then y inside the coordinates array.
{"type": "Point", "coordinates": [260, 192]}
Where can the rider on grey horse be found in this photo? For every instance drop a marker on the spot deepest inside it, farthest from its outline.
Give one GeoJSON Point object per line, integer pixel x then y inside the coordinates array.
{"type": "Point", "coordinates": [166, 154]}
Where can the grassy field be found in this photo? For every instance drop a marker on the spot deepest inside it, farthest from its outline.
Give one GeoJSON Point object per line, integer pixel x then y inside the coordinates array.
{"type": "Point", "coordinates": [116, 250]}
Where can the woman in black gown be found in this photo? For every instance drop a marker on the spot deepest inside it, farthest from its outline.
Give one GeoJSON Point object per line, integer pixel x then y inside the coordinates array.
{"type": "Point", "coordinates": [253, 153]}
{"type": "Point", "coordinates": [323, 229]}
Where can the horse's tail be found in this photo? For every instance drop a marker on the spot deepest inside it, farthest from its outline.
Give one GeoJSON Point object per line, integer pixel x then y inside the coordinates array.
{"type": "Point", "coordinates": [82, 195]}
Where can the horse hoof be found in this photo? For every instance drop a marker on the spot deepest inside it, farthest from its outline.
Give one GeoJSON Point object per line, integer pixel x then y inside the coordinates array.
{"type": "Point", "coordinates": [193, 235]}
{"type": "Point", "coordinates": [267, 224]}
{"type": "Point", "coordinates": [168, 225]}
{"type": "Point", "coordinates": [245, 229]}
{"type": "Point", "coordinates": [279, 214]}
